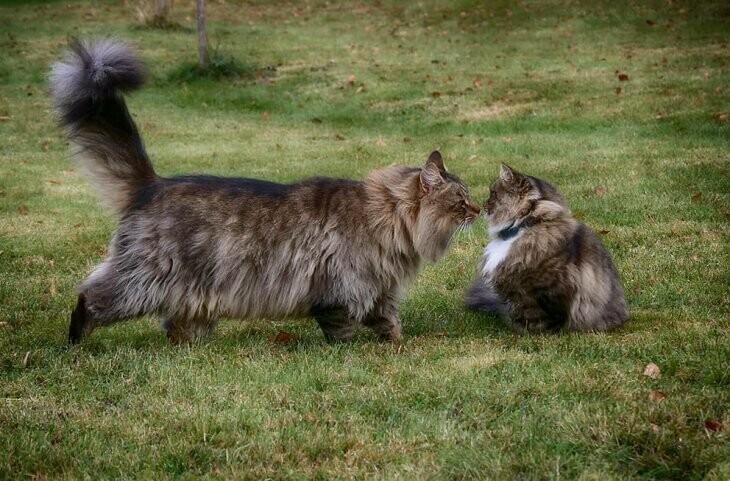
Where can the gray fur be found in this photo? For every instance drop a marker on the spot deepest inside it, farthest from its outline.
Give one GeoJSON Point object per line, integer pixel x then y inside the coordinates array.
{"type": "Point", "coordinates": [543, 270]}
{"type": "Point", "coordinates": [86, 88]}
{"type": "Point", "coordinates": [194, 249]}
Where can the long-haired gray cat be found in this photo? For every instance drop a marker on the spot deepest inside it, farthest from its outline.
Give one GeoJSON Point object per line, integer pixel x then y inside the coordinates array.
{"type": "Point", "coordinates": [543, 270]}
{"type": "Point", "coordinates": [192, 249]}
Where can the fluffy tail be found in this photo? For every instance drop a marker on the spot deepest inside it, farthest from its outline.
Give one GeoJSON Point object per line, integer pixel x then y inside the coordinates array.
{"type": "Point", "coordinates": [87, 91]}
{"type": "Point", "coordinates": [481, 297]}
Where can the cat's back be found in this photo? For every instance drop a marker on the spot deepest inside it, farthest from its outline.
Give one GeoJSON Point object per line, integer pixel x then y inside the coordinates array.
{"type": "Point", "coordinates": [598, 301]}
{"type": "Point", "coordinates": [204, 217]}
{"type": "Point", "coordinates": [211, 199]}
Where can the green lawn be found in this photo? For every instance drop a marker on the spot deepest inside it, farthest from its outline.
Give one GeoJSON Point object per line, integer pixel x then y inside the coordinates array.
{"type": "Point", "coordinates": [338, 89]}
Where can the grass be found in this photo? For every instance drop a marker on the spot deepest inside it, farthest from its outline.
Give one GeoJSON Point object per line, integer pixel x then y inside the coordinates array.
{"type": "Point", "coordinates": [533, 84]}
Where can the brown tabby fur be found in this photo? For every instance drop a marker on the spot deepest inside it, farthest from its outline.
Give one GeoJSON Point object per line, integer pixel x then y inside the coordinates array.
{"type": "Point", "coordinates": [193, 249]}
{"type": "Point", "coordinates": [544, 270]}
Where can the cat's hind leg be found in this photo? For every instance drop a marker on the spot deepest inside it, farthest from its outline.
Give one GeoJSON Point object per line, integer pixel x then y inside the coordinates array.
{"type": "Point", "coordinates": [81, 322]}
{"type": "Point", "coordinates": [105, 297]}
{"type": "Point", "coordinates": [187, 329]}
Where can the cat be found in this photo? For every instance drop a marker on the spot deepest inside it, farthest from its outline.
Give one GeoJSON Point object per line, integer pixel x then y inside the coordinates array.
{"type": "Point", "coordinates": [195, 248]}
{"type": "Point", "coordinates": [543, 270]}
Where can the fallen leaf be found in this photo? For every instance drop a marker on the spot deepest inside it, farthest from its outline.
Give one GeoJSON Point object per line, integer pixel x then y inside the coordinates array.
{"type": "Point", "coordinates": [477, 83]}
{"type": "Point", "coordinates": [713, 426]}
{"type": "Point", "coordinates": [339, 137]}
{"type": "Point", "coordinates": [360, 89]}
{"type": "Point", "coordinates": [351, 79]}
{"type": "Point", "coordinates": [599, 191]}
{"type": "Point", "coordinates": [26, 359]}
{"type": "Point", "coordinates": [652, 370]}
{"type": "Point", "coordinates": [622, 77]}
{"type": "Point", "coordinates": [696, 197]}
{"type": "Point", "coordinates": [721, 117]}
{"type": "Point", "coordinates": [4, 118]}
{"type": "Point", "coordinates": [657, 396]}
{"type": "Point", "coordinates": [435, 94]}
{"type": "Point", "coordinates": [283, 338]}
{"type": "Point", "coordinates": [23, 209]}
{"type": "Point", "coordinates": [604, 231]}
{"type": "Point", "coordinates": [618, 90]}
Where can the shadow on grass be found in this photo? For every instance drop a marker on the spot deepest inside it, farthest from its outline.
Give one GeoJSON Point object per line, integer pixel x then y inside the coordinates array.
{"type": "Point", "coordinates": [221, 67]}
{"type": "Point", "coordinates": [162, 25]}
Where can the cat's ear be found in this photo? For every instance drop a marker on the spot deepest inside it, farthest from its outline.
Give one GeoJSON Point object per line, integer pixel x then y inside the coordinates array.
{"type": "Point", "coordinates": [431, 172]}
{"type": "Point", "coordinates": [506, 174]}
{"type": "Point", "coordinates": [436, 158]}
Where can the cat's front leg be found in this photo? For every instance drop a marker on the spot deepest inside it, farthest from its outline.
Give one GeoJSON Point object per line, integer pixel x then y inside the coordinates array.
{"type": "Point", "coordinates": [385, 320]}
{"type": "Point", "coordinates": [529, 316]}
{"type": "Point", "coordinates": [334, 322]}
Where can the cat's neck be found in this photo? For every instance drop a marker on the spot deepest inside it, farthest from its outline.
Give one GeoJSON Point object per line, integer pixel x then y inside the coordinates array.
{"type": "Point", "coordinates": [546, 213]}
{"type": "Point", "coordinates": [391, 207]}
{"type": "Point", "coordinates": [513, 230]}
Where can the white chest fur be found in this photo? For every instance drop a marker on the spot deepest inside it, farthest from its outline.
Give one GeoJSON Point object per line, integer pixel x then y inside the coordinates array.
{"type": "Point", "coordinates": [495, 252]}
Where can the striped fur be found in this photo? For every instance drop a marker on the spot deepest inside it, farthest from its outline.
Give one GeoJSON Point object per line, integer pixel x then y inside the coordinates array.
{"type": "Point", "coordinates": [193, 249]}
{"type": "Point", "coordinates": [543, 270]}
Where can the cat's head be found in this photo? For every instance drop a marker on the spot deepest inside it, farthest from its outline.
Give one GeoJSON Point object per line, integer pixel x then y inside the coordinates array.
{"type": "Point", "coordinates": [514, 197]}
{"type": "Point", "coordinates": [445, 206]}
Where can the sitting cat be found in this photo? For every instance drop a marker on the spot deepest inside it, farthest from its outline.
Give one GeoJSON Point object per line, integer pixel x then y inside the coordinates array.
{"type": "Point", "coordinates": [192, 249]}
{"type": "Point", "coordinates": [543, 270]}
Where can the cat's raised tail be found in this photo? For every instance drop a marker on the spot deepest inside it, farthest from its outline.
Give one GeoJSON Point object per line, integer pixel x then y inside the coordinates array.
{"type": "Point", "coordinates": [87, 87]}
